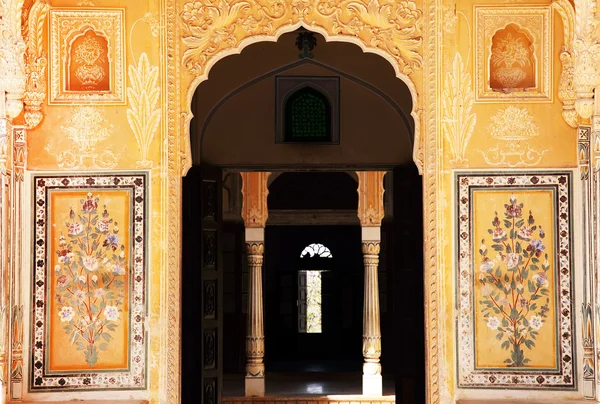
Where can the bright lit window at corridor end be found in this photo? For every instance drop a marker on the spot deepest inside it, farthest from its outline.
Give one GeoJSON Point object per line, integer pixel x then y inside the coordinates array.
{"type": "Point", "coordinates": [310, 291]}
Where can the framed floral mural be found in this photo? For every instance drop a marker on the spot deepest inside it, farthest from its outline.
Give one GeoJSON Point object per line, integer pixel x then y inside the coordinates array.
{"type": "Point", "coordinates": [89, 282]}
{"type": "Point", "coordinates": [515, 323]}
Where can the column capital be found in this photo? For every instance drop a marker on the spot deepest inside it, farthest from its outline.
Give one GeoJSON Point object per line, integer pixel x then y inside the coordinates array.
{"type": "Point", "coordinates": [255, 247]}
{"type": "Point", "coordinates": [371, 247]}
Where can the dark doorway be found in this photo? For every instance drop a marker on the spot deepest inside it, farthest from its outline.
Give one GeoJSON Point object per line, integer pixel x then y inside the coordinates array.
{"type": "Point", "coordinates": [337, 345]}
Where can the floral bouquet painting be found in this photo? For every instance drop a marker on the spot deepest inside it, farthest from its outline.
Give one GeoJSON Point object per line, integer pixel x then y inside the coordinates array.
{"type": "Point", "coordinates": [514, 281]}
{"type": "Point", "coordinates": [90, 278]}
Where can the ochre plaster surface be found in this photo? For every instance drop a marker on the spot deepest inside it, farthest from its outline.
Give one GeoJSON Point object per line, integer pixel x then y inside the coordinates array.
{"type": "Point", "coordinates": [151, 132]}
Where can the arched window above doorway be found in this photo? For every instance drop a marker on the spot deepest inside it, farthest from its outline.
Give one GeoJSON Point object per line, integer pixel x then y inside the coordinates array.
{"type": "Point", "coordinates": [307, 116]}
{"type": "Point", "coordinates": [316, 250]}
{"type": "Point", "coordinates": [307, 109]}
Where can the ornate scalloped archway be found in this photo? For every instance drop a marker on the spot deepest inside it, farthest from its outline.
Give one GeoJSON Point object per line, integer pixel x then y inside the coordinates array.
{"type": "Point", "coordinates": [202, 32]}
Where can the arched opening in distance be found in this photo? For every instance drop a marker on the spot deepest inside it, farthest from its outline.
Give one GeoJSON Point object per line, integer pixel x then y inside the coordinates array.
{"type": "Point", "coordinates": [310, 195]}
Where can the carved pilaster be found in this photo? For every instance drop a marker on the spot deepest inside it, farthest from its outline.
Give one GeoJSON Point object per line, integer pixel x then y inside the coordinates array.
{"type": "Point", "coordinates": [5, 176]}
{"type": "Point", "coordinates": [12, 64]}
{"type": "Point", "coordinates": [19, 159]}
{"type": "Point", "coordinates": [588, 371]}
{"type": "Point", "coordinates": [586, 49]}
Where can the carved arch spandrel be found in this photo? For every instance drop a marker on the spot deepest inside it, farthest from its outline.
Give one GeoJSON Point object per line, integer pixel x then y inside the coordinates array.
{"type": "Point", "coordinates": [180, 87]}
{"type": "Point", "coordinates": [392, 30]}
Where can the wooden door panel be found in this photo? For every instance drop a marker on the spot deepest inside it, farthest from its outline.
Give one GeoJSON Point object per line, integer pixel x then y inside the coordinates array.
{"type": "Point", "coordinates": [202, 287]}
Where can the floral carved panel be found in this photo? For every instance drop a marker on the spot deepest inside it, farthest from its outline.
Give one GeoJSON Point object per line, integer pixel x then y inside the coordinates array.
{"type": "Point", "coordinates": [513, 53]}
{"type": "Point", "coordinates": [89, 282]}
{"type": "Point", "coordinates": [87, 57]}
{"type": "Point", "coordinates": [514, 282]}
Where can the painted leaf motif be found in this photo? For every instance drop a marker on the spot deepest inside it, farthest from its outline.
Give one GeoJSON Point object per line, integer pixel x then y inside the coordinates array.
{"type": "Point", "coordinates": [143, 94]}
{"type": "Point", "coordinates": [457, 103]}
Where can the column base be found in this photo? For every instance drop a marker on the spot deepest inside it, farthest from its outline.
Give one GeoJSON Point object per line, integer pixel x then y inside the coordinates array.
{"type": "Point", "coordinates": [372, 385]}
{"type": "Point", "coordinates": [255, 386]}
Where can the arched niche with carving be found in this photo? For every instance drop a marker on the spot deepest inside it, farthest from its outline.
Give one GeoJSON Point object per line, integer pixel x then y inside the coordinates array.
{"type": "Point", "coordinates": [512, 59]}
{"type": "Point", "coordinates": [88, 63]}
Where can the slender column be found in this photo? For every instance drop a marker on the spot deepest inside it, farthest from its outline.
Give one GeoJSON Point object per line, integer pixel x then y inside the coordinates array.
{"type": "Point", "coordinates": [255, 338]}
{"type": "Point", "coordinates": [370, 213]}
{"type": "Point", "coordinates": [254, 213]}
{"type": "Point", "coordinates": [372, 380]}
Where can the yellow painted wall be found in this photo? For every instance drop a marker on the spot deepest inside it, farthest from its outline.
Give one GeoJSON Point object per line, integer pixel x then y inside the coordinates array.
{"type": "Point", "coordinates": [142, 25]}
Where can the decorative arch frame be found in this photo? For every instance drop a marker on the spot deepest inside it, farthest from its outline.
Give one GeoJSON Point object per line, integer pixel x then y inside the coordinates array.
{"type": "Point", "coordinates": [405, 33]}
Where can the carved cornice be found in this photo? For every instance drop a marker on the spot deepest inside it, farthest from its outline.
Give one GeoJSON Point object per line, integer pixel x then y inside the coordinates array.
{"type": "Point", "coordinates": [35, 66]}
{"type": "Point", "coordinates": [254, 198]}
{"type": "Point", "coordinates": [12, 52]}
{"type": "Point", "coordinates": [370, 198]}
{"type": "Point", "coordinates": [566, 86]}
{"type": "Point", "coordinates": [586, 50]}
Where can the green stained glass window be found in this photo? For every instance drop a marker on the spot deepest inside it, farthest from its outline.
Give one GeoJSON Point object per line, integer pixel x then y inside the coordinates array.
{"type": "Point", "coordinates": [308, 117]}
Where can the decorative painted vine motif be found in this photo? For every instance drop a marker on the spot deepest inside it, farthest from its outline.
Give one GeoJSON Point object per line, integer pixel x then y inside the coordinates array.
{"type": "Point", "coordinates": [92, 266]}
{"type": "Point", "coordinates": [515, 321]}
{"type": "Point", "coordinates": [515, 281]}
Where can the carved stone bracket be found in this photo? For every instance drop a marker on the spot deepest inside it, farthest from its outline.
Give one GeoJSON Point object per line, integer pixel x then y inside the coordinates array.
{"type": "Point", "coordinates": [254, 204]}
{"type": "Point", "coordinates": [370, 198]}
{"type": "Point", "coordinates": [586, 50]}
{"type": "Point", "coordinates": [12, 62]}
{"type": "Point", "coordinates": [35, 65]}
{"type": "Point", "coordinates": [566, 87]}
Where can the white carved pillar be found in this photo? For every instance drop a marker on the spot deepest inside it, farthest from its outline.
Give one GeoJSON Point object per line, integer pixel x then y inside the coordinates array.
{"type": "Point", "coordinates": [370, 213]}
{"type": "Point", "coordinates": [254, 213]}
{"type": "Point", "coordinates": [255, 338]}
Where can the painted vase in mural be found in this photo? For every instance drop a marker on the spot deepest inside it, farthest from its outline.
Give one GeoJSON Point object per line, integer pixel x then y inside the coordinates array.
{"type": "Point", "coordinates": [509, 57]}
{"type": "Point", "coordinates": [514, 283]}
{"type": "Point", "coordinates": [90, 278]}
{"type": "Point", "coordinates": [89, 52]}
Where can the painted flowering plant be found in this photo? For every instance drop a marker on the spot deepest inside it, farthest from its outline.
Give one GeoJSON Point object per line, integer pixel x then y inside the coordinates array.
{"type": "Point", "coordinates": [90, 286]}
{"type": "Point", "coordinates": [514, 284]}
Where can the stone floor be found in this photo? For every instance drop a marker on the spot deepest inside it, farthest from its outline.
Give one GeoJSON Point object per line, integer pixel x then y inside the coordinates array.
{"type": "Point", "coordinates": [307, 384]}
